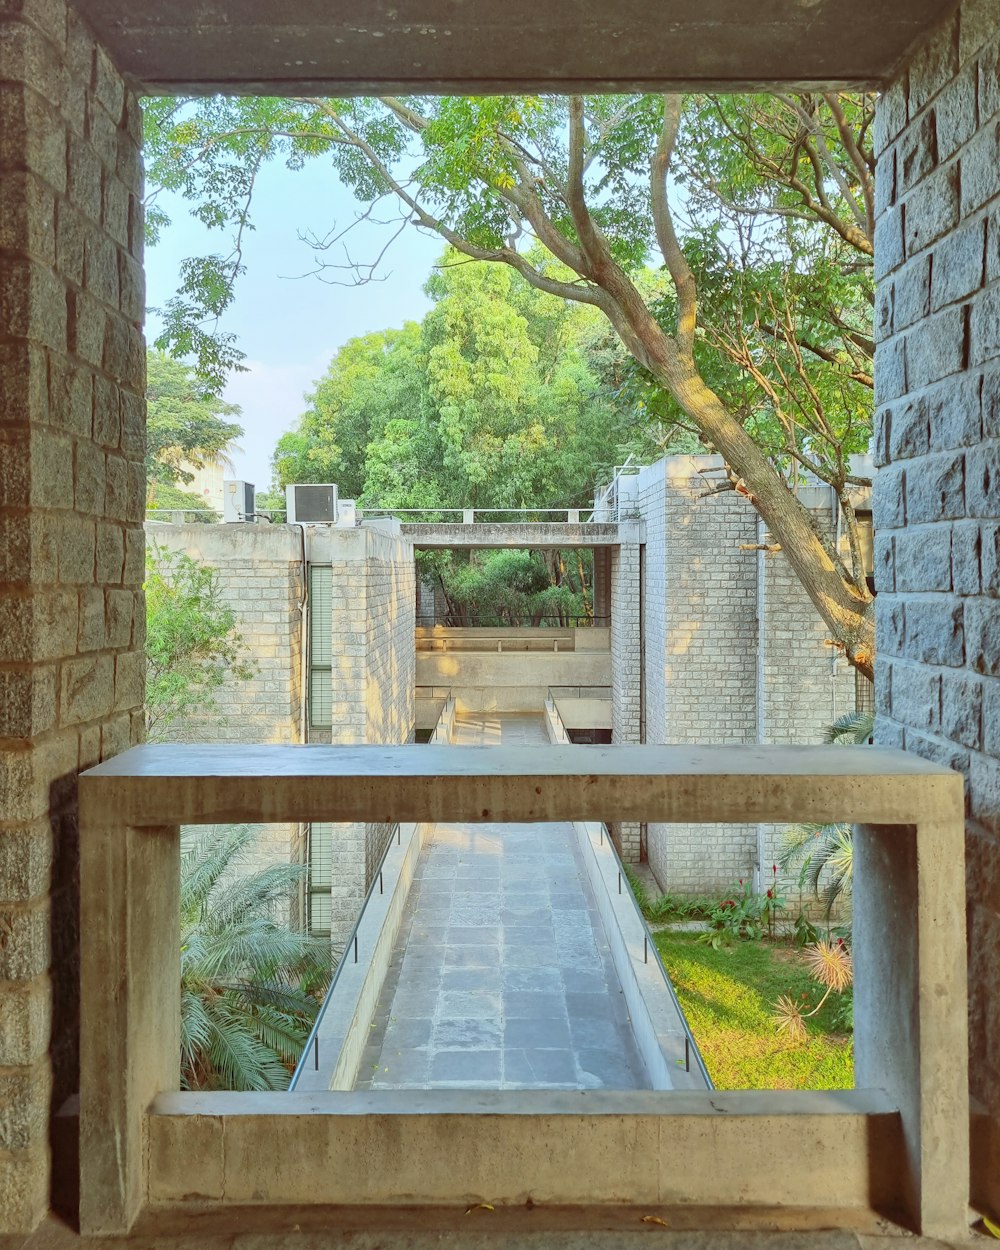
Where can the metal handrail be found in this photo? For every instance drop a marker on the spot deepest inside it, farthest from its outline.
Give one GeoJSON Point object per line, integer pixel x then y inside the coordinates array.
{"type": "Point", "coordinates": [650, 944]}
{"type": "Point", "coordinates": [311, 1040]}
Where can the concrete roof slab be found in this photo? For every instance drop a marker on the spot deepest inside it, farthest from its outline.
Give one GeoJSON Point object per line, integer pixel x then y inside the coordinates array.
{"type": "Point", "coordinates": [329, 47]}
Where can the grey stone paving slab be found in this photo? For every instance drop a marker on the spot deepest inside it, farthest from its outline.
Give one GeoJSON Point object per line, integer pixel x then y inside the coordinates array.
{"type": "Point", "coordinates": [501, 976]}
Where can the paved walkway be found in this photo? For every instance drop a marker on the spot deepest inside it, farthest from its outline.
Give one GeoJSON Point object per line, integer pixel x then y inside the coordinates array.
{"type": "Point", "coordinates": [501, 977]}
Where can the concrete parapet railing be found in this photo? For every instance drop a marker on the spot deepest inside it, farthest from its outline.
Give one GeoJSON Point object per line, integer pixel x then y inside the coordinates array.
{"type": "Point", "coordinates": [332, 1055]}
{"type": "Point", "coordinates": [898, 1144]}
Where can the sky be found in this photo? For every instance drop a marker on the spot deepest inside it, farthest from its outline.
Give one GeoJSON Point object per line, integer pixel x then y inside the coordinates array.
{"type": "Point", "coordinates": [291, 326]}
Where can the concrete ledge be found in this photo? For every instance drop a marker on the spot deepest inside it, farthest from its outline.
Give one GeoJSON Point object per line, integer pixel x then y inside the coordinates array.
{"type": "Point", "coordinates": [333, 1052]}
{"type": "Point", "coordinates": [536, 535]}
{"type": "Point", "coordinates": [657, 1022]}
{"type": "Point", "coordinates": [831, 1149]}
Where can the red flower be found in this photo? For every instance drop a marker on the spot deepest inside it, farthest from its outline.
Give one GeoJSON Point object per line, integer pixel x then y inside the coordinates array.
{"type": "Point", "coordinates": [770, 894]}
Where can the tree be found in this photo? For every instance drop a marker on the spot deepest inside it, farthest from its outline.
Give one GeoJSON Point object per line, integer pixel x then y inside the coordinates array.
{"type": "Point", "coordinates": [589, 179]}
{"type": "Point", "coordinates": [192, 645]}
{"type": "Point", "coordinates": [250, 986]}
{"type": "Point", "coordinates": [184, 425]}
{"type": "Point", "coordinates": [491, 401]}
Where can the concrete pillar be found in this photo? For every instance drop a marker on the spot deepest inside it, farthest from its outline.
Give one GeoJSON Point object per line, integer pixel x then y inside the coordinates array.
{"type": "Point", "coordinates": [72, 489]}
{"type": "Point", "coordinates": [626, 666]}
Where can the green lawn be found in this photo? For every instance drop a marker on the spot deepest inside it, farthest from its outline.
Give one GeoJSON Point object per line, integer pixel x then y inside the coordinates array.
{"type": "Point", "coordinates": [727, 996]}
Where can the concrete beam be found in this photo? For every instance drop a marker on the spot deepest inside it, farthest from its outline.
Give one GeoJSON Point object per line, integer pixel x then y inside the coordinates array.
{"type": "Point", "coordinates": [536, 535]}
{"type": "Point", "coordinates": [332, 47]}
{"type": "Point", "coordinates": [205, 783]}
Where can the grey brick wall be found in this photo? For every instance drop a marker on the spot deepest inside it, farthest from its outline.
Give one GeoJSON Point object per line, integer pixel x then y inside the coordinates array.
{"type": "Point", "coordinates": [623, 568]}
{"type": "Point", "coordinates": [733, 651]}
{"type": "Point", "coordinates": [937, 494]}
{"type": "Point", "coordinates": [373, 671]}
{"type": "Point", "coordinates": [72, 440]}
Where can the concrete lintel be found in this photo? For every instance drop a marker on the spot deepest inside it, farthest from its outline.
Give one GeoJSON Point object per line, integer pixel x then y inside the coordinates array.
{"type": "Point", "coordinates": [207, 783]}
{"type": "Point", "coordinates": [309, 47]}
{"type": "Point", "coordinates": [536, 535]}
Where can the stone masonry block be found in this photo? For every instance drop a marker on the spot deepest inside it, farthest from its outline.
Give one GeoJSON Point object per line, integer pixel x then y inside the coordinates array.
{"type": "Point", "coordinates": [91, 479]}
{"type": "Point", "coordinates": [989, 75]}
{"type": "Point", "coordinates": [890, 369]}
{"type": "Point", "coordinates": [934, 633]}
{"type": "Point", "coordinates": [27, 702]}
{"type": "Point", "coordinates": [24, 1106]}
{"type": "Point", "coordinates": [982, 467]}
{"type": "Point", "coordinates": [51, 470]}
{"type": "Point", "coordinates": [25, 1021]}
{"type": "Point", "coordinates": [100, 268]}
{"type": "Point", "coordinates": [982, 633]}
{"type": "Point", "coordinates": [129, 680]}
{"type": "Point", "coordinates": [935, 348]}
{"type": "Point", "coordinates": [91, 619]}
{"type": "Point", "coordinates": [33, 137]}
{"type": "Point", "coordinates": [985, 327]}
{"type": "Point", "coordinates": [932, 208]}
{"type": "Point", "coordinates": [954, 414]}
{"type": "Point", "coordinates": [965, 556]}
{"type": "Point", "coordinates": [102, 135]}
{"type": "Point", "coordinates": [889, 248]}
{"type": "Point", "coordinates": [116, 489]}
{"type": "Point", "coordinates": [935, 488]}
{"type": "Point", "coordinates": [70, 396]}
{"type": "Point", "coordinates": [32, 303]}
{"type": "Point", "coordinates": [27, 217]}
{"type": "Point", "coordinates": [933, 65]}
{"type": "Point", "coordinates": [961, 708]}
{"type": "Point", "coordinates": [87, 689]}
{"type": "Point", "coordinates": [888, 499]}
{"type": "Point", "coordinates": [884, 298]}
{"type": "Point", "coordinates": [981, 168]}
{"type": "Point", "coordinates": [955, 111]}
{"type": "Point", "coordinates": [85, 327]}
{"type": "Point", "coordinates": [110, 554]}
{"type": "Point", "coordinates": [916, 696]}
{"type": "Point", "coordinates": [24, 940]}
{"type": "Point", "coordinates": [990, 559]}
{"type": "Point", "coordinates": [885, 182]}
{"type": "Point", "coordinates": [889, 624]}
{"type": "Point", "coordinates": [958, 264]}
{"type": "Point", "coordinates": [26, 55]}
{"type": "Point", "coordinates": [890, 113]}
{"type": "Point", "coordinates": [107, 414]}
{"type": "Point", "coordinates": [923, 559]}
{"type": "Point", "coordinates": [991, 403]}
{"type": "Point", "coordinates": [885, 562]}
{"type": "Point", "coordinates": [911, 292]}
{"type": "Point", "coordinates": [115, 201]}
{"type": "Point", "coordinates": [909, 431]}
{"type": "Point", "coordinates": [916, 152]}
{"type": "Point", "coordinates": [75, 536]}
{"type": "Point", "coordinates": [71, 229]}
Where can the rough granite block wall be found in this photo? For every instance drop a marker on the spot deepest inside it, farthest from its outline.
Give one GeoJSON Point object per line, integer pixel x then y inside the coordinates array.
{"type": "Point", "coordinates": [72, 442]}
{"type": "Point", "coordinates": [937, 494]}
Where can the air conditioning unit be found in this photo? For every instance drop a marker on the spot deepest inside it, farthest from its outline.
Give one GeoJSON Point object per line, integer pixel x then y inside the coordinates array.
{"type": "Point", "coordinates": [238, 501]}
{"type": "Point", "coordinates": [347, 514]}
{"type": "Point", "coordinates": [311, 503]}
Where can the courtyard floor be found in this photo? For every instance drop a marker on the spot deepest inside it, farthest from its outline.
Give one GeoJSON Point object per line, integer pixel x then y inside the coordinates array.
{"type": "Point", "coordinates": [501, 977]}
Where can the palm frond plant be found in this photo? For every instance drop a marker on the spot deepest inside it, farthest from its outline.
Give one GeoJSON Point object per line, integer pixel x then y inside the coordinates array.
{"type": "Point", "coordinates": [824, 854]}
{"type": "Point", "coordinates": [250, 986]}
